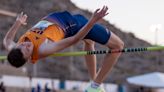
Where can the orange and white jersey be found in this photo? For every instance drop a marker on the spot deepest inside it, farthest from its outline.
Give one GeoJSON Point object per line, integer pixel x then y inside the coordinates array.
{"type": "Point", "coordinates": [39, 33]}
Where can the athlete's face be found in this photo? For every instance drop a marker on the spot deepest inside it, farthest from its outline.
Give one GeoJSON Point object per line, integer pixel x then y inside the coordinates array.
{"type": "Point", "coordinates": [26, 48]}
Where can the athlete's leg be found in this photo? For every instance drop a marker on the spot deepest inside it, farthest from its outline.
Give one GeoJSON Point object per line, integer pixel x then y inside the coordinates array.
{"type": "Point", "coordinates": [90, 59]}
{"type": "Point", "coordinates": [110, 59]}
{"type": "Point", "coordinates": [100, 35]}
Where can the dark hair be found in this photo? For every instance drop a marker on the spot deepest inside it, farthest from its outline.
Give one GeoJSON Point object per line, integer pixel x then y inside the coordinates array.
{"type": "Point", "coordinates": [15, 58]}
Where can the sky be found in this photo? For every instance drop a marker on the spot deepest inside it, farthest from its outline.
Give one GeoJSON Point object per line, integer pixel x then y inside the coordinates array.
{"type": "Point", "coordinates": [144, 18]}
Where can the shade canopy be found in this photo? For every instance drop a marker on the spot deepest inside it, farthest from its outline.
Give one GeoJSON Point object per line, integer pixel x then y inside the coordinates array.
{"type": "Point", "coordinates": [153, 80]}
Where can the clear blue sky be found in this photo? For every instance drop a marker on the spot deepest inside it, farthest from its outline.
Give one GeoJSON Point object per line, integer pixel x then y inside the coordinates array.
{"type": "Point", "coordinates": [136, 16]}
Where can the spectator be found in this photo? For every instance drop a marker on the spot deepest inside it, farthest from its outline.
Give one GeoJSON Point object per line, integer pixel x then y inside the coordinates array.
{"type": "Point", "coordinates": [2, 87]}
{"type": "Point", "coordinates": [46, 88]}
{"type": "Point", "coordinates": [33, 89]}
{"type": "Point", "coordinates": [38, 88]}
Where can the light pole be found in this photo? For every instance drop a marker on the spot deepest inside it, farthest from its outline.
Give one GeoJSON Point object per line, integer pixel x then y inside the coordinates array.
{"type": "Point", "coordinates": [155, 28]}
{"type": "Point", "coordinates": [156, 36]}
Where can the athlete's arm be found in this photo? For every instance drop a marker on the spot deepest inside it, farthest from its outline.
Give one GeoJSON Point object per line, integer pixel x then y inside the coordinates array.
{"type": "Point", "coordinates": [54, 47]}
{"type": "Point", "coordinates": [8, 40]}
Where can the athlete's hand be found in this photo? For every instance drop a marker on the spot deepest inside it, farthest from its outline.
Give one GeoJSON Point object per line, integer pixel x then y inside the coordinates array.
{"type": "Point", "coordinates": [22, 18]}
{"type": "Point", "coordinates": [99, 14]}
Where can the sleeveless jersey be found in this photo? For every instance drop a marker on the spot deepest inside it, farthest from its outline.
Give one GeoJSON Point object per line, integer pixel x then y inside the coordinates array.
{"type": "Point", "coordinates": [39, 33]}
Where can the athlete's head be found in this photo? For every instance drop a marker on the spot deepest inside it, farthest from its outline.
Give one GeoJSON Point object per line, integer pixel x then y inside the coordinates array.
{"type": "Point", "coordinates": [19, 55]}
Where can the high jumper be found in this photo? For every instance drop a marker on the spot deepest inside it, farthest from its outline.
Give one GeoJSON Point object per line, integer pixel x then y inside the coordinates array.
{"type": "Point", "coordinates": [59, 30]}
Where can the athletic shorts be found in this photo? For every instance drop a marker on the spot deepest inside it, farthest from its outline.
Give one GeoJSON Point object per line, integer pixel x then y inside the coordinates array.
{"type": "Point", "coordinates": [72, 24]}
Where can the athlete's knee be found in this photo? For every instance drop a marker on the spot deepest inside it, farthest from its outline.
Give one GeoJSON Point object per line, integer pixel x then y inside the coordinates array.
{"type": "Point", "coordinates": [115, 44]}
{"type": "Point", "coordinates": [120, 45]}
{"type": "Point", "coordinates": [89, 42]}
